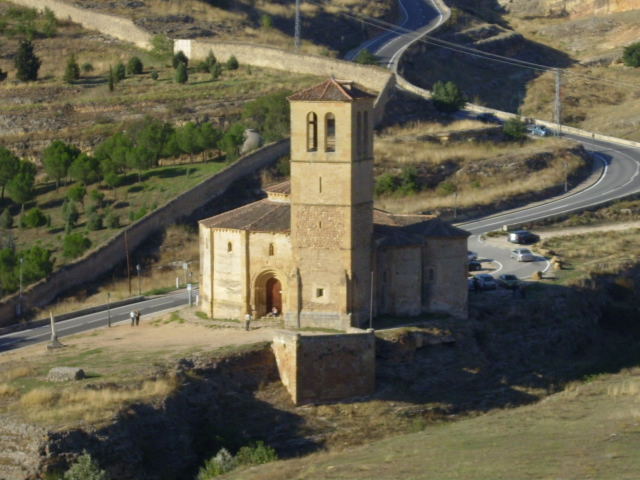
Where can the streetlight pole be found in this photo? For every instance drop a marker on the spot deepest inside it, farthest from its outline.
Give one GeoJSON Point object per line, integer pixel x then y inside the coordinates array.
{"type": "Point", "coordinates": [139, 284]}
{"type": "Point", "coordinates": [20, 296]}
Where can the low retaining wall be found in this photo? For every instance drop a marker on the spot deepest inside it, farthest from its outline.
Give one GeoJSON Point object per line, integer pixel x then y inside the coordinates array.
{"type": "Point", "coordinates": [316, 368]}
{"type": "Point", "coordinates": [373, 78]}
{"type": "Point", "coordinates": [106, 257]}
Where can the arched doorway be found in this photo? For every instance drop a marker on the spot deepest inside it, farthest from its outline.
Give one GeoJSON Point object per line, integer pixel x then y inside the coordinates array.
{"type": "Point", "coordinates": [269, 292]}
{"type": "Point", "coordinates": [274, 295]}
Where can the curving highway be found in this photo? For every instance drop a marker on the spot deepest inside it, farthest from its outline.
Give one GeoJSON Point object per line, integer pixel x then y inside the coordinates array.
{"type": "Point", "coordinates": [621, 164]}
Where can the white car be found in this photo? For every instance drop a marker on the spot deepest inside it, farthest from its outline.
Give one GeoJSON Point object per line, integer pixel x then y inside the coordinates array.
{"type": "Point", "coordinates": [522, 255]}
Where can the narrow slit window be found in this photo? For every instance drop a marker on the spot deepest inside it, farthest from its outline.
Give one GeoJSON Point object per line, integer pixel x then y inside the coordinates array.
{"type": "Point", "coordinates": [320, 184]}
{"type": "Point", "coordinates": [319, 292]}
{"type": "Point", "coordinates": [312, 132]}
{"type": "Point", "coordinates": [330, 133]}
{"type": "Point", "coordinates": [229, 247]}
{"type": "Point", "coordinates": [271, 250]}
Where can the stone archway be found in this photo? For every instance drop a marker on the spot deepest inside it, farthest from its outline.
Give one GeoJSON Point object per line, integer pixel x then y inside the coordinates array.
{"type": "Point", "coordinates": [268, 293]}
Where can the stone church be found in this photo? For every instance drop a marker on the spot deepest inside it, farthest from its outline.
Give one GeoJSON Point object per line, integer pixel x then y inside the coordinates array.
{"type": "Point", "coordinates": [315, 250]}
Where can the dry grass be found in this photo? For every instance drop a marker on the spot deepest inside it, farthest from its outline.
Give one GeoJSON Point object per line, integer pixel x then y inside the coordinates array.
{"type": "Point", "coordinates": [480, 171]}
{"type": "Point", "coordinates": [13, 373]}
{"type": "Point", "coordinates": [7, 390]}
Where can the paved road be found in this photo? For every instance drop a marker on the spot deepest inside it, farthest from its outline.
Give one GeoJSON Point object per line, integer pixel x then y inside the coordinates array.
{"type": "Point", "coordinates": [71, 326]}
{"type": "Point", "coordinates": [418, 17]}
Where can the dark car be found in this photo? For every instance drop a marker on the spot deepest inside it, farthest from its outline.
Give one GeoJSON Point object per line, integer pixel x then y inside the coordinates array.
{"type": "Point", "coordinates": [488, 118]}
{"type": "Point", "coordinates": [523, 237]}
{"type": "Point", "coordinates": [474, 266]}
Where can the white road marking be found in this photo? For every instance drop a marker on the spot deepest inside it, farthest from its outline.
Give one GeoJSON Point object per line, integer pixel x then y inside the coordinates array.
{"type": "Point", "coordinates": [500, 267]}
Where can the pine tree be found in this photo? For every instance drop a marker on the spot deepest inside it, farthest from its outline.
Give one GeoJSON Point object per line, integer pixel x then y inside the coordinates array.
{"type": "Point", "coordinates": [72, 72]}
{"type": "Point", "coordinates": [182, 74]}
{"type": "Point", "coordinates": [111, 79]}
{"type": "Point", "coordinates": [26, 62]}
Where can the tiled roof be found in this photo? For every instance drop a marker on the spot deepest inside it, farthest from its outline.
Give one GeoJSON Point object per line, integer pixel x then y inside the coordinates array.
{"type": "Point", "coordinates": [282, 187]}
{"type": "Point", "coordinates": [332, 90]}
{"type": "Point", "coordinates": [260, 216]}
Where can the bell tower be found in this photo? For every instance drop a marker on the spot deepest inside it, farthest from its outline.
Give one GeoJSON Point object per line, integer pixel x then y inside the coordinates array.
{"type": "Point", "coordinates": [331, 205]}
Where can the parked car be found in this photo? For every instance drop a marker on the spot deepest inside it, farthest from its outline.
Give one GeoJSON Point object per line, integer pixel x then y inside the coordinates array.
{"type": "Point", "coordinates": [472, 255]}
{"type": "Point", "coordinates": [486, 282]}
{"type": "Point", "coordinates": [522, 237]}
{"type": "Point", "coordinates": [507, 280]}
{"type": "Point", "coordinates": [523, 255]}
{"type": "Point", "coordinates": [474, 265]}
{"type": "Point", "coordinates": [538, 130]}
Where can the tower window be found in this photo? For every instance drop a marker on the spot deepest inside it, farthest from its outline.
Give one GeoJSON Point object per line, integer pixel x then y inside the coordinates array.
{"type": "Point", "coordinates": [319, 292]}
{"type": "Point", "coordinates": [330, 133]}
{"type": "Point", "coordinates": [229, 247]}
{"type": "Point", "coordinates": [312, 132]}
{"type": "Point", "coordinates": [319, 184]}
{"type": "Point", "coordinates": [271, 250]}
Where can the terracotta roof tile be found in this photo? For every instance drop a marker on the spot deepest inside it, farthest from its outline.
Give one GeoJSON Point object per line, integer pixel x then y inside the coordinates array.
{"type": "Point", "coordinates": [260, 216]}
{"type": "Point", "coordinates": [282, 187]}
{"type": "Point", "coordinates": [332, 90]}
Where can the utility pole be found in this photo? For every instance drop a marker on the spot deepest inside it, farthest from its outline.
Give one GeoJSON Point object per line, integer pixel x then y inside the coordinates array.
{"type": "Point", "coordinates": [558, 103]}
{"type": "Point", "coordinates": [109, 309]}
{"type": "Point", "coordinates": [126, 251]}
{"type": "Point", "coordinates": [297, 26]}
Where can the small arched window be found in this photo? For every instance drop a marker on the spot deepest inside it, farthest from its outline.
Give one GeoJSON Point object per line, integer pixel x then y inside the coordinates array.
{"type": "Point", "coordinates": [229, 247]}
{"type": "Point", "coordinates": [330, 132]}
{"type": "Point", "coordinates": [271, 250]}
{"type": "Point", "coordinates": [312, 132]}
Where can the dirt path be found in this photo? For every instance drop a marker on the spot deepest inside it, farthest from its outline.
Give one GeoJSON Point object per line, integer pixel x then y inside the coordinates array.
{"type": "Point", "coordinates": [562, 232]}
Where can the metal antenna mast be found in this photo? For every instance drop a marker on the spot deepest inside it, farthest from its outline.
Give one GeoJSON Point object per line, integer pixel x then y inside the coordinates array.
{"type": "Point", "coordinates": [297, 27]}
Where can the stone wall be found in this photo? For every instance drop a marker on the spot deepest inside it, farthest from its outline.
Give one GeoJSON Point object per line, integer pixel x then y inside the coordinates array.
{"type": "Point", "coordinates": [574, 8]}
{"type": "Point", "coordinates": [118, 27]}
{"type": "Point", "coordinates": [100, 261]}
{"type": "Point", "coordinates": [316, 368]}
{"type": "Point", "coordinates": [373, 78]}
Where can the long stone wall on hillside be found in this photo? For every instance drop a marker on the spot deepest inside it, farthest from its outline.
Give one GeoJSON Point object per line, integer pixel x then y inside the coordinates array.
{"type": "Point", "coordinates": [373, 78]}
{"type": "Point", "coordinates": [118, 27]}
{"type": "Point", "coordinates": [576, 8]}
{"type": "Point", "coordinates": [102, 260]}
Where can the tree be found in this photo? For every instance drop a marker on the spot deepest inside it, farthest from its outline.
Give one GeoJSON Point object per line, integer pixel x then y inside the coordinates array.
{"type": "Point", "coordinates": [216, 71]}
{"type": "Point", "coordinates": [26, 62]}
{"type": "Point", "coordinates": [37, 263]}
{"type": "Point", "coordinates": [74, 245]}
{"type": "Point", "coordinates": [34, 218]}
{"type": "Point", "coordinates": [365, 57]}
{"type": "Point", "coordinates": [87, 67]}
{"type": "Point", "coordinates": [50, 27]}
{"type": "Point", "coordinates": [112, 153]}
{"type": "Point", "coordinates": [85, 169]}
{"type": "Point", "coordinates": [134, 66]}
{"type": "Point", "coordinates": [120, 72]}
{"type": "Point", "coordinates": [20, 187]}
{"type": "Point", "coordinates": [161, 46]}
{"type": "Point", "coordinates": [95, 221]}
{"type": "Point", "coordinates": [57, 158]}
{"type": "Point", "coordinates": [112, 221]}
{"type": "Point", "coordinates": [70, 214]}
{"type": "Point", "coordinates": [8, 277]}
{"type": "Point", "coordinates": [85, 468]}
{"type": "Point", "coordinates": [3, 75]}
{"type": "Point", "coordinates": [112, 80]}
{"type": "Point", "coordinates": [447, 97]}
{"type": "Point", "coordinates": [179, 58]}
{"type": "Point", "coordinates": [515, 129]}
{"type": "Point", "coordinates": [9, 164]}
{"type": "Point", "coordinates": [210, 61]}
{"type": "Point", "coordinates": [72, 71]}
{"type": "Point", "coordinates": [232, 63]}
{"type": "Point", "coordinates": [631, 55]}
{"type": "Point", "coordinates": [266, 21]}
{"type": "Point", "coordinates": [269, 114]}
{"type": "Point", "coordinates": [232, 139]}
{"type": "Point", "coordinates": [182, 74]}
{"type": "Point", "coordinates": [77, 193]}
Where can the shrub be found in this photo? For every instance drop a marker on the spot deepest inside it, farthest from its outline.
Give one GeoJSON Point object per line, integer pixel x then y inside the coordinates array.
{"type": "Point", "coordinates": [95, 221]}
{"type": "Point", "coordinates": [85, 468]}
{"type": "Point", "coordinates": [26, 62]}
{"type": "Point", "coordinates": [137, 214]}
{"type": "Point", "coordinates": [222, 463]}
{"type": "Point", "coordinates": [70, 213]}
{"type": "Point", "coordinates": [134, 66]}
{"type": "Point", "coordinates": [87, 67]}
{"type": "Point", "coordinates": [367, 58]}
{"type": "Point", "coordinates": [216, 71]}
{"type": "Point", "coordinates": [6, 220]}
{"type": "Point", "coordinates": [77, 193]}
{"type": "Point", "coordinates": [120, 72]}
{"type": "Point", "coordinates": [74, 245]}
{"type": "Point", "coordinates": [256, 454]}
{"type": "Point", "coordinates": [179, 58]}
{"type": "Point", "coordinates": [515, 129]}
{"type": "Point", "coordinates": [447, 97]}
{"type": "Point", "coordinates": [182, 74]}
{"type": "Point", "coordinates": [266, 21]}
{"type": "Point", "coordinates": [112, 221]}
{"type": "Point", "coordinates": [154, 75]}
{"type": "Point", "coordinates": [97, 198]}
{"type": "Point", "coordinates": [72, 71]}
{"type": "Point", "coordinates": [232, 63]}
{"type": "Point", "coordinates": [161, 46]}
{"type": "Point", "coordinates": [631, 55]}
{"type": "Point", "coordinates": [34, 218]}
{"type": "Point", "coordinates": [385, 184]}
{"type": "Point", "coordinates": [446, 188]}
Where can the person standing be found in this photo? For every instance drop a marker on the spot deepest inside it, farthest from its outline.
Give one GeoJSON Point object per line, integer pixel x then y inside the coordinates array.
{"type": "Point", "coordinates": [137, 318]}
{"type": "Point", "coordinates": [132, 315]}
{"type": "Point", "coordinates": [247, 322]}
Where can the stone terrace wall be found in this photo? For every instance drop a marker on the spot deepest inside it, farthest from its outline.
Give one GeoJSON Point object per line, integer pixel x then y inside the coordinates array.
{"type": "Point", "coordinates": [317, 368]}
{"type": "Point", "coordinates": [100, 261]}
{"type": "Point", "coordinates": [373, 78]}
{"type": "Point", "coordinates": [118, 27]}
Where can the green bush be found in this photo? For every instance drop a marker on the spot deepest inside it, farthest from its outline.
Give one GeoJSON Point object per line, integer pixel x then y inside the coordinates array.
{"type": "Point", "coordinates": [515, 129]}
{"type": "Point", "coordinates": [446, 188]}
{"type": "Point", "coordinates": [134, 66]}
{"type": "Point", "coordinates": [365, 57]}
{"type": "Point", "coordinates": [182, 74]}
{"type": "Point", "coordinates": [72, 71]}
{"type": "Point", "coordinates": [6, 220]}
{"type": "Point", "coordinates": [179, 58]}
{"type": "Point", "coordinates": [85, 468]}
{"type": "Point", "coordinates": [97, 198]}
{"type": "Point", "coordinates": [386, 184]}
{"type": "Point", "coordinates": [447, 97]}
{"type": "Point", "coordinates": [631, 55]}
{"type": "Point", "coordinates": [137, 214]}
{"type": "Point", "coordinates": [74, 245]}
{"type": "Point", "coordinates": [222, 463]}
{"type": "Point", "coordinates": [70, 214]}
{"type": "Point", "coordinates": [154, 75]}
{"type": "Point", "coordinates": [232, 63]}
{"type": "Point", "coordinates": [95, 221]}
{"type": "Point", "coordinates": [26, 62]}
{"type": "Point", "coordinates": [266, 21]}
{"type": "Point", "coordinates": [87, 67]}
{"type": "Point", "coordinates": [216, 71]}
{"type": "Point", "coordinates": [256, 454]}
{"type": "Point", "coordinates": [112, 221]}
{"type": "Point", "coordinates": [120, 72]}
{"type": "Point", "coordinates": [34, 218]}
{"type": "Point", "coordinates": [161, 46]}
{"type": "Point", "coordinates": [76, 193]}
